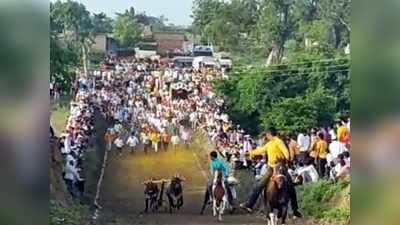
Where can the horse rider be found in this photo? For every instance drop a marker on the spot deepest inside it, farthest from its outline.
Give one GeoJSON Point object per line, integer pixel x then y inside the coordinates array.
{"type": "Point", "coordinates": [214, 164]}
{"type": "Point", "coordinates": [276, 149]}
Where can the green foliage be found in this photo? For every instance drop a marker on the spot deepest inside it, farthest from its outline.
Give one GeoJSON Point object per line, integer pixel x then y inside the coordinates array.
{"type": "Point", "coordinates": [73, 18]}
{"type": "Point", "coordinates": [323, 199]}
{"type": "Point", "coordinates": [203, 13]}
{"type": "Point", "coordinates": [101, 23]}
{"type": "Point", "coordinates": [276, 24]}
{"type": "Point", "coordinates": [75, 23]}
{"type": "Point", "coordinates": [301, 112]}
{"type": "Point", "coordinates": [127, 30]}
{"type": "Point", "coordinates": [245, 27]}
{"type": "Point", "coordinates": [62, 60]}
{"type": "Point", "coordinates": [291, 97]}
{"type": "Point", "coordinates": [72, 213]}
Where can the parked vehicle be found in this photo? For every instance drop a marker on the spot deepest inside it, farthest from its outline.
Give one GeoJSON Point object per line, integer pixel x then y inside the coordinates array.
{"type": "Point", "coordinates": [183, 61]}
{"type": "Point", "coordinates": [204, 61]}
{"type": "Point", "coordinates": [224, 60]}
{"type": "Point", "coordinates": [203, 50]}
{"type": "Point", "coordinates": [146, 50]}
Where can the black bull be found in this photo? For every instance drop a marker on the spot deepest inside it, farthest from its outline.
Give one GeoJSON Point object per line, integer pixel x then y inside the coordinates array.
{"type": "Point", "coordinates": [151, 192]}
{"type": "Point", "coordinates": [175, 194]}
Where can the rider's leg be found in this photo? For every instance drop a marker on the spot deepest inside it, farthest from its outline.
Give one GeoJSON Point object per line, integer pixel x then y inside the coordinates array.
{"type": "Point", "coordinates": [259, 188]}
{"type": "Point", "coordinates": [293, 196]}
{"type": "Point", "coordinates": [146, 203]}
{"type": "Point", "coordinates": [229, 192]}
{"type": "Point", "coordinates": [209, 189]}
{"type": "Point", "coordinates": [206, 198]}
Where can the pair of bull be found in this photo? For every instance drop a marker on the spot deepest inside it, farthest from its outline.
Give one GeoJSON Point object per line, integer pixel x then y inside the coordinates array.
{"type": "Point", "coordinates": [154, 197]}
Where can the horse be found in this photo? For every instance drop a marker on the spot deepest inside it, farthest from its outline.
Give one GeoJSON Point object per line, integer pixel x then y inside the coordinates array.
{"type": "Point", "coordinates": [219, 194]}
{"type": "Point", "coordinates": [232, 182]}
{"type": "Point", "coordinates": [276, 195]}
{"type": "Point", "coordinates": [175, 193]}
{"type": "Point", "coordinates": [151, 193]}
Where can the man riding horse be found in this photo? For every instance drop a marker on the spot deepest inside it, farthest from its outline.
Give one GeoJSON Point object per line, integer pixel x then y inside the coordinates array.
{"type": "Point", "coordinates": [215, 164]}
{"type": "Point", "coordinates": [275, 149]}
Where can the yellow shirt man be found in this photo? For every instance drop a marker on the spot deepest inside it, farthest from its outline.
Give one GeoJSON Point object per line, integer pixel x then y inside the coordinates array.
{"type": "Point", "coordinates": [108, 137]}
{"type": "Point", "coordinates": [275, 149]}
{"type": "Point", "coordinates": [322, 147]}
{"type": "Point", "coordinates": [341, 133]}
{"type": "Point", "coordinates": [154, 137]}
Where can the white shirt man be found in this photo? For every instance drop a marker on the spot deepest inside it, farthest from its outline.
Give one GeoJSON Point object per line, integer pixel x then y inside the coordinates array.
{"type": "Point", "coordinates": [308, 171]}
{"type": "Point", "coordinates": [71, 173]}
{"type": "Point", "coordinates": [67, 144]}
{"type": "Point", "coordinates": [132, 141]}
{"type": "Point", "coordinates": [263, 171]}
{"type": "Point", "coordinates": [336, 147]}
{"type": "Point", "coordinates": [119, 143]}
{"type": "Point", "coordinates": [185, 136]}
{"type": "Point", "coordinates": [175, 140]}
{"type": "Point", "coordinates": [303, 142]}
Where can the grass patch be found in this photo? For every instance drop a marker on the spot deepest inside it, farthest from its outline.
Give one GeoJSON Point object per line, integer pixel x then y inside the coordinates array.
{"type": "Point", "coordinates": [325, 200]}
{"type": "Point", "coordinates": [72, 213]}
{"type": "Point", "coordinates": [58, 116]}
{"type": "Point", "coordinates": [59, 112]}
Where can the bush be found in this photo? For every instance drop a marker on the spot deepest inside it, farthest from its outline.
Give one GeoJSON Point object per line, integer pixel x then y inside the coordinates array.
{"type": "Point", "coordinates": [316, 200]}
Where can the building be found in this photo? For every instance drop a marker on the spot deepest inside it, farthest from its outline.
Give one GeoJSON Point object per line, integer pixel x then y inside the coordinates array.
{"type": "Point", "coordinates": [105, 44]}
{"type": "Point", "coordinates": [169, 42]}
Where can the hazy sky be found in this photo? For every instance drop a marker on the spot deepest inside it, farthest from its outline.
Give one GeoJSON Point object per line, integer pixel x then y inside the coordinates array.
{"type": "Point", "coordinates": [177, 11]}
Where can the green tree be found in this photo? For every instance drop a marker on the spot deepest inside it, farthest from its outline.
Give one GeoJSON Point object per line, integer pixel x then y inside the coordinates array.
{"type": "Point", "coordinates": [275, 26]}
{"type": "Point", "coordinates": [101, 23]}
{"type": "Point", "coordinates": [62, 60]}
{"type": "Point", "coordinates": [324, 22]}
{"type": "Point", "coordinates": [127, 30]}
{"type": "Point", "coordinates": [291, 115]}
{"type": "Point", "coordinates": [232, 24]}
{"type": "Point", "coordinates": [76, 26]}
{"type": "Point", "coordinates": [203, 12]}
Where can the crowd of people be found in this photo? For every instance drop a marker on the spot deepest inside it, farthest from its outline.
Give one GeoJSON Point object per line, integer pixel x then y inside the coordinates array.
{"type": "Point", "coordinates": [76, 139]}
{"type": "Point", "coordinates": [158, 106]}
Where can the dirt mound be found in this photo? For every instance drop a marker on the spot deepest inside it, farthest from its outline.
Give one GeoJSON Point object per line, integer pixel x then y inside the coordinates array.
{"type": "Point", "coordinates": [58, 190]}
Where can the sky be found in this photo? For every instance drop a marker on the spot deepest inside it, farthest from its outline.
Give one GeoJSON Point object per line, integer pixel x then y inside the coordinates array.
{"type": "Point", "coordinates": [177, 11]}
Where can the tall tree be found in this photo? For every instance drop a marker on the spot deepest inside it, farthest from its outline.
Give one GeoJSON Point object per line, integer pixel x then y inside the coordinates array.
{"type": "Point", "coordinates": [76, 25]}
{"type": "Point", "coordinates": [203, 12]}
{"type": "Point", "coordinates": [101, 23]}
{"type": "Point", "coordinates": [232, 24]}
{"type": "Point", "coordinates": [127, 30]}
{"type": "Point", "coordinates": [276, 26]}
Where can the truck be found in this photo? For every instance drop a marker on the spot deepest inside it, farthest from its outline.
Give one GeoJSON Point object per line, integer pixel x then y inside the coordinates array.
{"type": "Point", "coordinates": [146, 50]}
{"type": "Point", "coordinates": [224, 60]}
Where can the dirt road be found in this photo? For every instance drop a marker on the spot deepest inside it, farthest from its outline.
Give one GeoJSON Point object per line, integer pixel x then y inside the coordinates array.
{"type": "Point", "coordinates": [122, 196]}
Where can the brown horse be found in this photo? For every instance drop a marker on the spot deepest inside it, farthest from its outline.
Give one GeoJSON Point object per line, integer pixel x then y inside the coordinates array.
{"type": "Point", "coordinates": [276, 195]}
{"type": "Point", "coordinates": [219, 194]}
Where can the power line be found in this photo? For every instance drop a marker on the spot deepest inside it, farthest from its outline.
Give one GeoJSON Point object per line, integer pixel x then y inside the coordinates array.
{"type": "Point", "coordinates": [312, 72]}
{"type": "Point", "coordinates": [311, 68]}
{"type": "Point", "coordinates": [305, 62]}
